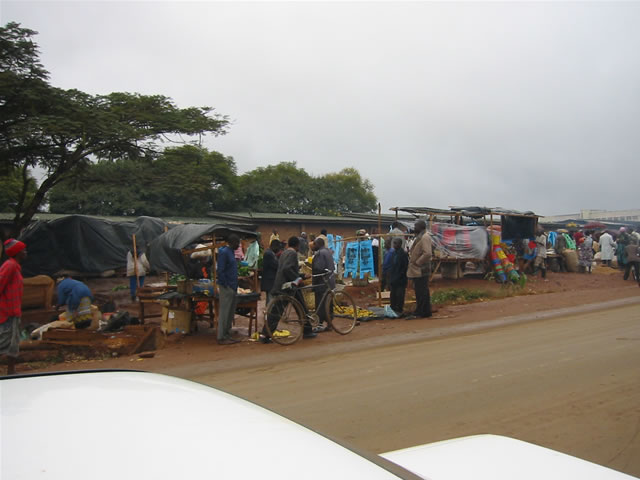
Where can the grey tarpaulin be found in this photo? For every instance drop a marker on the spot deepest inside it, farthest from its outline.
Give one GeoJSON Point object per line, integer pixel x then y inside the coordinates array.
{"type": "Point", "coordinates": [165, 252]}
{"type": "Point", "coordinates": [84, 244]}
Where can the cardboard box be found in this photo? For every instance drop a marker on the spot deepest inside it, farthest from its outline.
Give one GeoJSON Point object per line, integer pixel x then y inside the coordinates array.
{"type": "Point", "coordinates": [175, 320]}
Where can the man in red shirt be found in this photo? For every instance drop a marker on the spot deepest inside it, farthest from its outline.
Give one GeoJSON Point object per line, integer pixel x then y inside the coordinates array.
{"type": "Point", "coordinates": [11, 286]}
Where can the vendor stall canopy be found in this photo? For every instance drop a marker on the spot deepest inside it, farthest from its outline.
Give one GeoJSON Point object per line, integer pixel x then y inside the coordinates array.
{"type": "Point", "coordinates": [91, 246]}
{"type": "Point", "coordinates": [166, 251]}
{"type": "Point", "coordinates": [514, 224]}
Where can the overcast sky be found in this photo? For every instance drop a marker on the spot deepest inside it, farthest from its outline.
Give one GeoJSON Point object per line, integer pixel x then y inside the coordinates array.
{"type": "Point", "coordinates": [529, 106]}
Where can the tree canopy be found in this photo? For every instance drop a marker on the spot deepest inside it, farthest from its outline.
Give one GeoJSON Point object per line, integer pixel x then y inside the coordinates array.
{"type": "Point", "coordinates": [182, 181]}
{"type": "Point", "coordinates": [61, 131]}
{"type": "Point", "coordinates": [106, 155]}
{"type": "Point", "coordinates": [286, 188]}
{"type": "Point", "coordinates": [190, 181]}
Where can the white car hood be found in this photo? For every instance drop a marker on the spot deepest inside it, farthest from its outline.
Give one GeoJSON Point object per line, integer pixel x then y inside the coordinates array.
{"type": "Point", "coordinates": [134, 425]}
{"type": "Point", "coordinates": [492, 457]}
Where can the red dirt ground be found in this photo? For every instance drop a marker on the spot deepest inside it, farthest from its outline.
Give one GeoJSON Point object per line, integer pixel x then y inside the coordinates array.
{"type": "Point", "coordinates": [558, 290]}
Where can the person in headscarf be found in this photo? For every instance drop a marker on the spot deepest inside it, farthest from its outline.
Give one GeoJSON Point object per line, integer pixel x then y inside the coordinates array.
{"type": "Point", "coordinates": [11, 288]}
{"type": "Point", "coordinates": [77, 298]}
{"type": "Point", "coordinates": [585, 252]}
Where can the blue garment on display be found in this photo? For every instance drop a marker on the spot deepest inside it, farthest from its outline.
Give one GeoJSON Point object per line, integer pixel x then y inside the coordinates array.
{"type": "Point", "coordinates": [366, 258]}
{"type": "Point", "coordinates": [552, 239]}
{"type": "Point", "coordinates": [338, 249]}
{"type": "Point", "coordinates": [331, 242]}
{"type": "Point", "coordinates": [352, 253]}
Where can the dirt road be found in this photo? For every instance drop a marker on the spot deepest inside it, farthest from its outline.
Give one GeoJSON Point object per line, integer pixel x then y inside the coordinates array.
{"type": "Point", "coordinates": [570, 383]}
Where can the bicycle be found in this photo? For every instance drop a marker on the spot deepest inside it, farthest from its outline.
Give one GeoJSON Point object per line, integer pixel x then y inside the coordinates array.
{"type": "Point", "coordinates": [287, 314]}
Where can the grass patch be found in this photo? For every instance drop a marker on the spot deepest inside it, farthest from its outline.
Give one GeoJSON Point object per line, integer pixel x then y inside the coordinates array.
{"type": "Point", "coordinates": [455, 296]}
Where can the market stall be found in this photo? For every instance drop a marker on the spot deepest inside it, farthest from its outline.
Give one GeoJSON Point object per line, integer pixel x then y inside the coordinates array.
{"type": "Point", "coordinates": [171, 252]}
{"type": "Point", "coordinates": [461, 235]}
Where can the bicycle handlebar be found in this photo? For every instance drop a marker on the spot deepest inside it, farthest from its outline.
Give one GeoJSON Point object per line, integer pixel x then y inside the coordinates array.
{"type": "Point", "coordinates": [325, 273]}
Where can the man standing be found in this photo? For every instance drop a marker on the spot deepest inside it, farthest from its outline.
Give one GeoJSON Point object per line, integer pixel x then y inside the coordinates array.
{"type": "Point", "coordinates": [323, 236]}
{"type": "Point", "coordinates": [398, 276]}
{"type": "Point", "coordinates": [397, 232]}
{"type": "Point", "coordinates": [386, 265]}
{"type": "Point", "coordinates": [288, 271]}
{"type": "Point", "coordinates": [269, 268]}
{"type": "Point", "coordinates": [274, 236]}
{"type": "Point", "coordinates": [607, 247]}
{"type": "Point", "coordinates": [541, 253]}
{"type": "Point", "coordinates": [633, 261]}
{"type": "Point", "coordinates": [227, 274]}
{"type": "Point", "coordinates": [136, 271]}
{"type": "Point", "coordinates": [419, 270]}
{"type": "Point", "coordinates": [11, 287]}
{"type": "Point", "coordinates": [304, 245]}
{"type": "Point", "coordinates": [322, 261]}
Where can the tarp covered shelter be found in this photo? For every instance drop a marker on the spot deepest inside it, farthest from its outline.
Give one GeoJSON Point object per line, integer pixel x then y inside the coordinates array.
{"type": "Point", "coordinates": [82, 244]}
{"type": "Point", "coordinates": [165, 252]}
{"type": "Point", "coordinates": [514, 224]}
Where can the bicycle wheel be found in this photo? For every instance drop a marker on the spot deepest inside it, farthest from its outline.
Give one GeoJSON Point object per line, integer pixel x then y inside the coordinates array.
{"type": "Point", "coordinates": [342, 311]}
{"type": "Point", "coordinates": [284, 319]}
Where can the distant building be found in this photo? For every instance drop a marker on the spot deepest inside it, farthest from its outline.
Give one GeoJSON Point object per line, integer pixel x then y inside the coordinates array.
{"type": "Point", "coordinates": [601, 215]}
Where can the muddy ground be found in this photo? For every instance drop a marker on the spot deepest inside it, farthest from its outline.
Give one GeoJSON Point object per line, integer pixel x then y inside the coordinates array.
{"type": "Point", "coordinates": [558, 290]}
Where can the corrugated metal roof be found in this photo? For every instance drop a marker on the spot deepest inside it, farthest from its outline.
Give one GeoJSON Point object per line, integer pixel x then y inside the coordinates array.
{"type": "Point", "coordinates": [466, 211]}
{"type": "Point", "coordinates": [237, 217]}
{"type": "Point", "coordinates": [290, 217]}
{"type": "Point", "coordinates": [55, 216]}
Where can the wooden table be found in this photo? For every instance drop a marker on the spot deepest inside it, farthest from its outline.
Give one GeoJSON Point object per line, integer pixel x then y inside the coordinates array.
{"type": "Point", "coordinates": [458, 261]}
{"type": "Point", "coordinates": [247, 301]}
{"type": "Point", "coordinates": [149, 294]}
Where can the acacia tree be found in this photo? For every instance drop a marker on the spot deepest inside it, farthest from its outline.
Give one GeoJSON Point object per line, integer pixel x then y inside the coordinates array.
{"type": "Point", "coordinates": [182, 181]}
{"type": "Point", "coordinates": [61, 131]}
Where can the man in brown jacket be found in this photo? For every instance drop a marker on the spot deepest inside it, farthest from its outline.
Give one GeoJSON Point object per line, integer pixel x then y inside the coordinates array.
{"type": "Point", "coordinates": [420, 269]}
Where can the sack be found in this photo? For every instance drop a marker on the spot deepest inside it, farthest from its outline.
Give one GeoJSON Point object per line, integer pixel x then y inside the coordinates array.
{"type": "Point", "coordinates": [115, 322]}
{"type": "Point", "coordinates": [571, 260]}
{"type": "Point", "coordinates": [389, 312]}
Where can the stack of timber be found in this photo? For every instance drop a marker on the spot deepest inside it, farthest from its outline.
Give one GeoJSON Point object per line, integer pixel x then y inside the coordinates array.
{"type": "Point", "coordinates": [58, 344]}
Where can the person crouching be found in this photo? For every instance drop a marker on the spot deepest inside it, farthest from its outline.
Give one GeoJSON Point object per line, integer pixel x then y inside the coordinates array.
{"type": "Point", "coordinates": [77, 298]}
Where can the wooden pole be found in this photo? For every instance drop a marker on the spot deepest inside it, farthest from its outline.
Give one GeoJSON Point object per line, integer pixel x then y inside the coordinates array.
{"type": "Point", "coordinates": [380, 255]}
{"type": "Point", "coordinates": [135, 261]}
{"type": "Point", "coordinates": [166, 274]}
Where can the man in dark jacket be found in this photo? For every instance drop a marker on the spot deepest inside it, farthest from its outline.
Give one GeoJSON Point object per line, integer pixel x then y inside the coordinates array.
{"type": "Point", "coordinates": [227, 276]}
{"type": "Point", "coordinates": [270, 268]}
{"type": "Point", "coordinates": [322, 261]}
{"type": "Point", "coordinates": [633, 262]}
{"type": "Point", "coordinates": [398, 276]}
{"type": "Point", "coordinates": [288, 271]}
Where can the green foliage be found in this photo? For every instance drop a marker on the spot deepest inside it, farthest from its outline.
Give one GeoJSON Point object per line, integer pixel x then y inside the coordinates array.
{"type": "Point", "coordinates": [174, 279]}
{"type": "Point", "coordinates": [62, 130]}
{"type": "Point", "coordinates": [11, 185]}
{"type": "Point", "coordinates": [457, 296]}
{"type": "Point", "coordinates": [282, 188]}
{"type": "Point", "coordinates": [285, 188]}
{"type": "Point", "coordinates": [346, 192]}
{"type": "Point", "coordinates": [244, 271]}
{"type": "Point", "coordinates": [182, 181]}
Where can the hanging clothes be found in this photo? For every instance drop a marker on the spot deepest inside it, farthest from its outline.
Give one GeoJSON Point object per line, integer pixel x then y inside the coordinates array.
{"type": "Point", "coordinates": [352, 253]}
{"type": "Point", "coordinates": [366, 259]}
